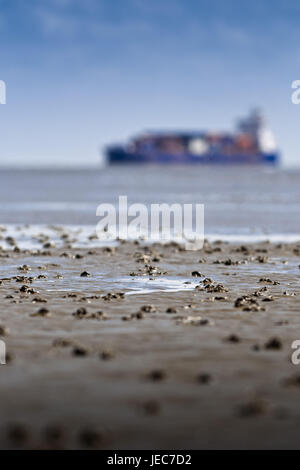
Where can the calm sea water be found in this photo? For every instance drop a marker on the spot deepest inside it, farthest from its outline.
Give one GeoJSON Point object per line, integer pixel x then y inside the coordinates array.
{"type": "Point", "coordinates": [239, 201]}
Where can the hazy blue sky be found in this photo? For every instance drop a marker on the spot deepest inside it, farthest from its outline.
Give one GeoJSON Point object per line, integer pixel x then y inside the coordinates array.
{"type": "Point", "coordinates": [83, 73]}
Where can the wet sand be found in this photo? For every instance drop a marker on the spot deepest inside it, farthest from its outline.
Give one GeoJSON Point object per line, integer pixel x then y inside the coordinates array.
{"type": "Point", "coordinates": [141, 346]}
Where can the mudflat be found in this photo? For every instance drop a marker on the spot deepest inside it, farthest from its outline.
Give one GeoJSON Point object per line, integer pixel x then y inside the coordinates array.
{"type": "Point", "coordinates": [138, 346]}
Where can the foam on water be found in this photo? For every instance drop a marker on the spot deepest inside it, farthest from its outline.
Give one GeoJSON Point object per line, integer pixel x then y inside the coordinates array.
{"type": "Point", "coordinates": [84, 236]}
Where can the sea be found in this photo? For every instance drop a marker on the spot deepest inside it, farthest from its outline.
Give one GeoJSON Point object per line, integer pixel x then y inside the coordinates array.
{"type": "Point", "coordinates": [241, 203]}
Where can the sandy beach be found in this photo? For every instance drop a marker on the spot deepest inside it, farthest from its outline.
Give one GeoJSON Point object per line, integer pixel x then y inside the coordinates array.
{"type": "Point", "coordinates": [138, 346]}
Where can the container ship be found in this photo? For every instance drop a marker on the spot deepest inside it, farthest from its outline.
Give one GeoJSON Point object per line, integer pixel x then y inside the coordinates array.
{"type": "Point", "coordinates": [252, 143]}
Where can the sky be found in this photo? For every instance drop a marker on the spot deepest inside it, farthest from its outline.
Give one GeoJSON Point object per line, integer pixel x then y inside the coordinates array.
{"type": "Point", "coordinates": [81, 74]}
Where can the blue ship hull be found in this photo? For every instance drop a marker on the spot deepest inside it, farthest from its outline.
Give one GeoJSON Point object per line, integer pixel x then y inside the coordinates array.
{"type": "Point", "coordinates": [118, 155]}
